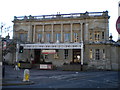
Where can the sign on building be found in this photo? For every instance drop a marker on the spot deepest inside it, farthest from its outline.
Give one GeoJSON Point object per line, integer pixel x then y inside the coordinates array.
{"type": "Point", "coordinates": [48, 51]}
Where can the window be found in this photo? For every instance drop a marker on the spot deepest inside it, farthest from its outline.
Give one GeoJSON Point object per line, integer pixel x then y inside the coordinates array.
{"type": "Point", "coordinates": [23, 36]}
{"type": "Point", "coordinates": [46, 56]}
{"type": "Point", "coordinates": [91, 55]}
{"type": "Point", "coordinates": [48, 36]}
{"type": "Point", "coordinates": [56, 54]}
{"type": "Point", "coordinates": [97, 54]}
{"type": "Point", "coordinates": [90, 36]}
{"type": "Point", "coordinates": [58, 36]}
{"type": "Point", "coordinates": [66, 53]}
{"type": "Point", "coordinates": [75, 37]}
{"type": "Point", "coordinates": [39, 38]}
{"type": "Point", "coordinates": [97, 36]}
{"type": "Point", "coordinates": [67, 37]}
{"type": "Point", "coordinates": [103, 52]}
{"type": "Point", "coordinates": [103, 35]}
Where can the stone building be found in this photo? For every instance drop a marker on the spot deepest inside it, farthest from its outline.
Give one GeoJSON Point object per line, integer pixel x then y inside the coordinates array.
{"type": "Point", "coordinates": [67, 39]}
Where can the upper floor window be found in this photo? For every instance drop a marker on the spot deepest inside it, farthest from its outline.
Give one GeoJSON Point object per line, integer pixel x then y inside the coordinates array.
{"type": "Point", "coordinates": [75, 37]}
{"type": "Point", "coordinates": [58, 36]}
{"type": "Point", "coordinates": [39, 38]}
{"type": "Point", "coordinates": [23, 36]}
{"type": "Point", "coordinates": [48, 37]}
{"type": "Point", "coordinates": [103, 36]}
{"type": "Point", "coordinates": [67, 37]}
{"type": "Point", "coordinates": [90, 37]}
{"type": "Point", "coordinates": [97, 36]}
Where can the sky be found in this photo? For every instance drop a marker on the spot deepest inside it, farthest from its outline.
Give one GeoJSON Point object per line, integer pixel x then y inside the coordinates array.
{"type": "Point", "coordinates": [11, 8]}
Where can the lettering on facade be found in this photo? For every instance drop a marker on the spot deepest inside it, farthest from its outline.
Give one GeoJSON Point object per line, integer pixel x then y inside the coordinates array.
{"type": "Point", "coordinates": [52, 46]}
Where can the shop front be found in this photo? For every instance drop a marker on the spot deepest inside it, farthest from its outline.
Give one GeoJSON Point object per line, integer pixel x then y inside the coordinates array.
{"type": "Point", "coordinates": [55, 54]}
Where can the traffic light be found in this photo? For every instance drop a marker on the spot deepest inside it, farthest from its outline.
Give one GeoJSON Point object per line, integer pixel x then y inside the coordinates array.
{"type": "Point", "coordinates": [21, 49]}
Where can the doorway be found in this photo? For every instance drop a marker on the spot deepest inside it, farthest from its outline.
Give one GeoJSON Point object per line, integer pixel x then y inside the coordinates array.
{"type": "Point", "coordinates": [37, 55]}
{"type": "Point", "coordinates": [76, 54]}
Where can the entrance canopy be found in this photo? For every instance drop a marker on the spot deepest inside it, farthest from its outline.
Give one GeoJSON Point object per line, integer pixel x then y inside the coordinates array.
{"type": "Point", "coordinates": [53, 46]}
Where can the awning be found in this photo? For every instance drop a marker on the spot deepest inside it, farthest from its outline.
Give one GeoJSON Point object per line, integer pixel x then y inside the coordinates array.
{"type": "Point", "coordinates": [53, 46]}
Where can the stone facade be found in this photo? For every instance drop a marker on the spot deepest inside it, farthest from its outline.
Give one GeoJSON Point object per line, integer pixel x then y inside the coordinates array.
{"type": "Point", "coordinates": [71, 35]}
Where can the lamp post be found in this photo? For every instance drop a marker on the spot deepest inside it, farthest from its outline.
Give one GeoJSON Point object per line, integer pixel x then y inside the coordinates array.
{"type": "Point", "coordinates": [3, 67]}
{"type": "Point", "coordinates": [81, 56]}
{"type": "Point", "coordinates": [81, 47]}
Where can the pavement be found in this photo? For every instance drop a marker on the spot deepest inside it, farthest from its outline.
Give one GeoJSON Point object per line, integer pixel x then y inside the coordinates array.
{"type": "Point", "coordinates": [14, 77]}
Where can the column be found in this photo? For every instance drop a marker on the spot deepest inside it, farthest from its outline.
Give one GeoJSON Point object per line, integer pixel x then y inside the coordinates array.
{"type": "Point", "coordinates": [107, 30]}
{"type": "Point", "coordinates": [43, 32]}
{"type": "Point", "coordinates": [81, 28]}
{"type": "Point", "coordinates": [52, 25]}
{"type": "Point", "coordinates": [34, 34]}
{"type": "Point", "coordinates": [71, 31]}
{"type": "Point", "coordinates": [86, 32]}
{"type": "Point", "coordinates": [61, 32]}
{"type": "Point", "coordinates": [28, 35]}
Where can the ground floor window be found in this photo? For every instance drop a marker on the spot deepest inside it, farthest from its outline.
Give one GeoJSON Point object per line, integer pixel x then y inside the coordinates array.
{"type": "Point", "coordinates": [103, 53]}
{"type": "Point", "coordinates": [65, 53]}
{"type": "Point", "coordinates": [56, 54]}
{"type": "Point", "coordinates": [91, 54]}
{"type": "Point", "coordinates": [97, 54]}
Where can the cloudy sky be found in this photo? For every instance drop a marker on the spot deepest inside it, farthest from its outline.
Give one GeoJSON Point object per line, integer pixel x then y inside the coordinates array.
{"type": "Point", "coordinates": [11, 8]}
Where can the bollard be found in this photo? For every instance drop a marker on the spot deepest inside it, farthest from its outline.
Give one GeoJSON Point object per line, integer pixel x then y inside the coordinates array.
{"type": "Point", "coordinates": [26, 75]}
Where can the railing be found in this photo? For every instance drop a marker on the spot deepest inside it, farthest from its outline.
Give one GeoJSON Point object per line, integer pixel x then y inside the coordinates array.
{"type": "Point", "coordinates": [55, 16]}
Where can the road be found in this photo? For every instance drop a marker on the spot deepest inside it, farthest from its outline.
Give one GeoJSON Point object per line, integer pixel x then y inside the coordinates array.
{"type": "Point", "coordinates": [69, 79]}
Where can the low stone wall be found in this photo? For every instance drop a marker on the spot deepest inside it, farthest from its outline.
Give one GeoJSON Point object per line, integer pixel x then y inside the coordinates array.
{"type": "Point", "coordinates": [75, 67]}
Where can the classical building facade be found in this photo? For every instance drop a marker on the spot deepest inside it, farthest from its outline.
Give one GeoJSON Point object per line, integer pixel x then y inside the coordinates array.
{"type": "Point", "coordinates": [67, 39]}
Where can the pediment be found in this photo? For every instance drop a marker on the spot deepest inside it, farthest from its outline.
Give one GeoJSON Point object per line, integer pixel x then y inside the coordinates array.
{"type": "Point", "coordinates": [97, 28]}
{"type": "Point", "coordinates": [21, 30]}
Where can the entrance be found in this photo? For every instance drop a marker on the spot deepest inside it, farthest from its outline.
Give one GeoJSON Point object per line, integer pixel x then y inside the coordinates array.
{"type": "Point", "coordinates": [37, 55]}
{"type": "Point", "coordinates": [76, 55]}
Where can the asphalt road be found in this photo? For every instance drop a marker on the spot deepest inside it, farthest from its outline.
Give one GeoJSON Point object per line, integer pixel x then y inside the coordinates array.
{"type": "Point", "coordinates": [67, 79]}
